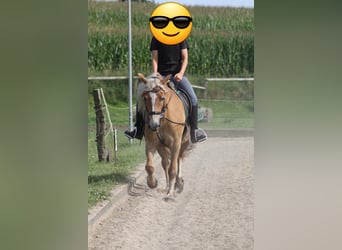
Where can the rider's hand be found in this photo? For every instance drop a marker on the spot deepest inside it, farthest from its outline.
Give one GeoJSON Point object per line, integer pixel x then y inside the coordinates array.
{"type": "Point", "coordinates": [178, 77]}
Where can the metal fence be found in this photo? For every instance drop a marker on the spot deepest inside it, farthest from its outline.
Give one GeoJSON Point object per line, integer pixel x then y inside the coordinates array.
{"type": "Point", "coordinates": [224, 102]}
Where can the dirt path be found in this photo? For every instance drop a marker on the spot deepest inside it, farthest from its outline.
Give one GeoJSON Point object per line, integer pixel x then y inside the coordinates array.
{"type": "Point", "coordinates": [214, 211]}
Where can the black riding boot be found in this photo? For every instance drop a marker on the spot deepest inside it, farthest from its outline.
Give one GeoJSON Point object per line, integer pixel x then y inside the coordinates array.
{"type": "Point", "coordinates": [138, 131]}
{"type": "Point", "coordinates": [197, 134]}
{"type": "Point", "coordinates": [140, 125]}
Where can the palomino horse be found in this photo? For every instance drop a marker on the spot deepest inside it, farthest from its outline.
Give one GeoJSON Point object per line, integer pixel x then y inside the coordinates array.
{"type": "Point", "coordinates": [165, 131]}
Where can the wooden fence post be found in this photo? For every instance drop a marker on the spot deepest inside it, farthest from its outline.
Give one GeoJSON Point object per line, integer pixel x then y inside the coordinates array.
{"type": "Point", "coordinates": [100, 125]}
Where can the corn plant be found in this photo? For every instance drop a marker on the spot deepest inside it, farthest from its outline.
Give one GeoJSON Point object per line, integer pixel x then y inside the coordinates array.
{"type": "Point", "coordinates": [221, 42]}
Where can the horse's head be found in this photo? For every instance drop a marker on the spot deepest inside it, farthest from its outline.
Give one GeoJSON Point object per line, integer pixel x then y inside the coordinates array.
{"type": "Point", "coordinates": [153, 93]}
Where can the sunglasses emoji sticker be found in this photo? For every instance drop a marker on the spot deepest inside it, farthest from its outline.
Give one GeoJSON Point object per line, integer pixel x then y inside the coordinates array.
{"type": "Point", "coordinates": [170, 23]}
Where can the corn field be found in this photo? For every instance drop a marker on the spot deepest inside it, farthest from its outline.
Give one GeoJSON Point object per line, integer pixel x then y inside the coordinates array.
{"type": "Point", "coordinates": [221, 42]}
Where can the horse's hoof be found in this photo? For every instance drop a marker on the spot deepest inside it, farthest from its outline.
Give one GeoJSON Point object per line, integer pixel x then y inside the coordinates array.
{"type": "Point", "coordinates": [169, 198]}
{"type": "Point", "coordinates": [179, 185]}
{"type": "Point", "coordinates": [152, 185]}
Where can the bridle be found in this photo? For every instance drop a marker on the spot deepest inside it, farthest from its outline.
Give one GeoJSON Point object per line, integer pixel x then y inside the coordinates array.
{"type": "Point", "coordinates": [163, 109]}
{"type": "Point", "coordinates": [161, 113]}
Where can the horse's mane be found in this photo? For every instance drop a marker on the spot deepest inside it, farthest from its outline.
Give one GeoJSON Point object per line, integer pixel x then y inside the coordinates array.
{"type": "Point", "coordinates": [153, 81]}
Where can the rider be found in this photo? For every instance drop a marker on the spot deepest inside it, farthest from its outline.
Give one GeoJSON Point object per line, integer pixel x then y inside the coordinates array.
{"type": "Point", "coordinates": [172, 59]}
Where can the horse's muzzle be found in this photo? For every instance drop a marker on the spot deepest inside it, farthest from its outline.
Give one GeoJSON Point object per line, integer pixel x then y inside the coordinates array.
{"type": "Point", "coordinates": [154, 127]}
{"type": "Point", "coordinates": [155, 118]}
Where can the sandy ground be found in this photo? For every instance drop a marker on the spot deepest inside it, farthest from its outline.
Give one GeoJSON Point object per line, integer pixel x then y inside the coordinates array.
{"type": "Point", "coordinates": [214, 211]}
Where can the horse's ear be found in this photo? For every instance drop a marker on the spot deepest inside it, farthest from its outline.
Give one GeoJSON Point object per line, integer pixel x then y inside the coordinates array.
{"type": "Point", "coordinates": [159, 76]}
{"type": "Point", "coordinates": [142, 77]}
{"type": "Point", "coordinates": [166, 79]}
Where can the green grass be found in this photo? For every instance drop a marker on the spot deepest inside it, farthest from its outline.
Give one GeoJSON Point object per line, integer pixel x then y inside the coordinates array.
{"type": "Point", "coordinates": [231, 103]}
{"type": "Point", "coordinates": [229, 114]}
{"type": "Point", "coordinates": [102, 176]}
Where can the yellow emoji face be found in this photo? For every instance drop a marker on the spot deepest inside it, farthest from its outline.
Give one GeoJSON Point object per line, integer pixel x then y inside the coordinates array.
{"type": "Point", "coordinates": [170, 23]}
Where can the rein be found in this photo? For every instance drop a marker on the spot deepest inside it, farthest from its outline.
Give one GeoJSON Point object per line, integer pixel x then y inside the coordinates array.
{"type": "Point", "coordinates": [179, 123]}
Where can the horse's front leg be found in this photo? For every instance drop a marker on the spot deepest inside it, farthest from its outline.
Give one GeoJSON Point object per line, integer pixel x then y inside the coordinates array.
{"type": "Point", "coordinates": [164, 154]}
{"type": "Point", "coordinates": [151, 180]}
{"type": "Point", "coordinates": [179, 178]}
{"type": "Point", "coordinates": [173, 171]}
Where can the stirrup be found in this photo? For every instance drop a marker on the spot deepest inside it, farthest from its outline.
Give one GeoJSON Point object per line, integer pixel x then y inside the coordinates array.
{"type": "Point", "coordinates": [200, 135]}
{"type": "Point", "coordinates": [131, 134]}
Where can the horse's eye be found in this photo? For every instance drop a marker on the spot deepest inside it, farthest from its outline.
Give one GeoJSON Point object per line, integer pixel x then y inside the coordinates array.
{"type": "Point", "coordinates": [162, 98]}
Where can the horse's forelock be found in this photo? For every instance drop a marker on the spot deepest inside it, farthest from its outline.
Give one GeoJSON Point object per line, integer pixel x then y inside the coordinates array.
{"type": "Point", "coordinates": [152, 82]}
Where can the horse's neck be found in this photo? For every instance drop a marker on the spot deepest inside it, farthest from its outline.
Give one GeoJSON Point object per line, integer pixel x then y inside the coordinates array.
{"type": "Point", "coordinates": [175, 107]}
